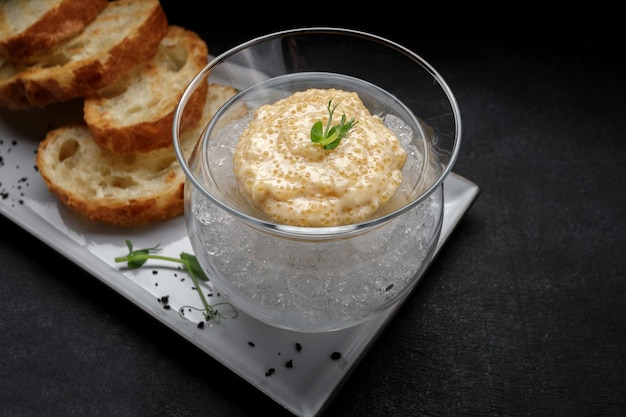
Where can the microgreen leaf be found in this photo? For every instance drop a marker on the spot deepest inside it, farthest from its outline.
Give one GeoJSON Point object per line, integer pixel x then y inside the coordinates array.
{"type": "Point", "coordinates": [136, 258]}
{"type": "Point", "coordinates": [331, 136]}
{"type": "Point", "coordinates": [193, 266]}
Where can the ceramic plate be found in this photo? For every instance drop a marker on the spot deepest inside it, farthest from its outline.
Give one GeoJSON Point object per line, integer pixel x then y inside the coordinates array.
{"type": "Point", "coordinates": [300, 371]}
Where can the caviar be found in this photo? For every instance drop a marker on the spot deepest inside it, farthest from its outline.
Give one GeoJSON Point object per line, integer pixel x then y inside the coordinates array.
{"type": "Point", "coordinates": [297, 182]}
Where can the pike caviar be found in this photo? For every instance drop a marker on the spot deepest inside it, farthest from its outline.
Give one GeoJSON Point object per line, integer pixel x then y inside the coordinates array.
{"type": "Point", "coordinates": [297, 182]}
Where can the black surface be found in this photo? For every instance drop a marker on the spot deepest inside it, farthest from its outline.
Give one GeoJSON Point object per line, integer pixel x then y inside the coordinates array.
{"type": "Point", "coordinates": [523, 313]}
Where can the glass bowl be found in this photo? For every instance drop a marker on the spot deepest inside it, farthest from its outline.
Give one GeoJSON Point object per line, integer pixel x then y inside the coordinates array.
{"type": "Point", "coordinates": [314, 279]}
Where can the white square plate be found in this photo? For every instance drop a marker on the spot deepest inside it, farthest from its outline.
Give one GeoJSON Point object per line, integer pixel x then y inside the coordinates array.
{"type": "Point", "coordinates": [301, 380]}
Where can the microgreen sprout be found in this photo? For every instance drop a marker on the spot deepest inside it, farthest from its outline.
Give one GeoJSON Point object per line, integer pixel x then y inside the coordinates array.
{"type": "Point", "coordinates": [329, 137]}
{"type": "Point", "coordinates": [136, 258]}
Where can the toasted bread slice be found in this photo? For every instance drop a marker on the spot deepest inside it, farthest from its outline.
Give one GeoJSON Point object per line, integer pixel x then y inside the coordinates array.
{"type": "Point", "coordinates": [123, 190]}
{"type": "Point", "coordinates": [124, 34]}
{"type": "Point", "coordinates": [134, 114]}
{"type": "Point", "coordinates": [28, 26]}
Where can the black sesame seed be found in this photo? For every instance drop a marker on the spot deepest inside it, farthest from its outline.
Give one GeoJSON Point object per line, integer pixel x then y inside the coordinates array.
{"type": "Point", "coordinates": [289, 364]}
{"type": "Point", "coordinates": [201, 325]}
{"type": "Point", "coordinates": [154, 272]}
{"type": "Point", "coordinates": [298, 347]}
{"type": "Point", "coordinates": [251, 344]}
{"type": "Point", "coordinates": [166, 306]}
{"type": "Point", "coordinates": [270, 371]}
{"type": "Point", "coordinates": [335, 356]}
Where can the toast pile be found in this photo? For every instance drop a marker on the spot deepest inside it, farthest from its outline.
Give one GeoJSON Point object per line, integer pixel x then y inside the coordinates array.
{"type": "Point", "coordinates": [130, 68]}
{"type": "Point", "coordinates": [124, 190]}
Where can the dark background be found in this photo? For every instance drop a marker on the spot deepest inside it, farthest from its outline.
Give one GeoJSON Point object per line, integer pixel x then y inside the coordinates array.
{"type": "Point", "coordinates": [523, 312]}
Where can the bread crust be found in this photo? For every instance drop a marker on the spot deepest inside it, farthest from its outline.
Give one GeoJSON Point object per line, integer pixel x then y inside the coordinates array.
{"type": "Point", "coordinates": [12, 91]}
{"type": "Point", "coordinates": [132, 213]}
{"type": "Point", "coordinates": [63, 20]}
{"type": "Point", "coordinates": [69, 70]}
{"type": "Point", "coordinates": [135, 113]}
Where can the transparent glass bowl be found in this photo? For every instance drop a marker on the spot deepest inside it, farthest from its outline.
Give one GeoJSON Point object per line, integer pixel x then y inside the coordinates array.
{"type": "Point", "coordinates": [313, 279]}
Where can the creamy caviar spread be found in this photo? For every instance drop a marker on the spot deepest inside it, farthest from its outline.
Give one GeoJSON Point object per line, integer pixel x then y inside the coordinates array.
{"type": "Point", "coordinates": [297, 182]}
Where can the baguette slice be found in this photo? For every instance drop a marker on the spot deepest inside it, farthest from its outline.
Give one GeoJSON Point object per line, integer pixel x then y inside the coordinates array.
{"type": "Point", "coordinates": [28, 26]}
{"type": "Point", "coordinates": [124, 34]}
{"type": "Point", "coordinates": [129, 190]}
{"type": "Point", "coordinates": [134, 114]}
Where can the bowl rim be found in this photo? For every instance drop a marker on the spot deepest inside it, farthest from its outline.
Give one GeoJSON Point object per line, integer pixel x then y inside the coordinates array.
{"type": "Point", "coordinates": [328, 231]}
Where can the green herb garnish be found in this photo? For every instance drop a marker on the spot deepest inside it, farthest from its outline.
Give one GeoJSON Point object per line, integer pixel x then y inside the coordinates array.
{"type": "Point", "coordinates": [331, 136]}
{"type": "Point", "coordinates": [136, 258]}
